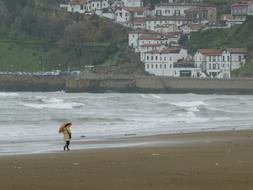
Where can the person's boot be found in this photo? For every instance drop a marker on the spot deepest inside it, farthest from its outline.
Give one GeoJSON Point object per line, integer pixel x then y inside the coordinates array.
{"type": "Point", "coordinates": [64, 148]}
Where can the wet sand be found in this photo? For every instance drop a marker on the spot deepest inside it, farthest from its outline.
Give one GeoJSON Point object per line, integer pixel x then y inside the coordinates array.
{"type": "Point", "coordinates": [202, 161]}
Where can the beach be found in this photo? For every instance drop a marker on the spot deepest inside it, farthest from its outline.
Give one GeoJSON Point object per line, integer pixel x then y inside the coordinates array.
{"type": "Point", "coordinates": [206, 161]}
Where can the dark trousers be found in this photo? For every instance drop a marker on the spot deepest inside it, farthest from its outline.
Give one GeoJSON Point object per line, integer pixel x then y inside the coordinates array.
{"type": "Point", "coordinates": [67, 145]}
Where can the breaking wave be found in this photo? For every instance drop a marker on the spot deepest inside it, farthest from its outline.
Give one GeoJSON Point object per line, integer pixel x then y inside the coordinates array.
{"type": "Point", "coordinates": [50, 103]}
{"type": "Point", "coordinates": [7, 94]}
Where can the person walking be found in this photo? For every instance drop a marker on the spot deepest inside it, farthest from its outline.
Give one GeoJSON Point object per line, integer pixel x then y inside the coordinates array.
{"type": "Point", "coordinates": [65, 130]}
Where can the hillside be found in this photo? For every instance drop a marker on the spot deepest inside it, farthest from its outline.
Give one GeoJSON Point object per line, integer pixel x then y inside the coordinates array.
{"type": "Point", "coordinates": [36, 35]}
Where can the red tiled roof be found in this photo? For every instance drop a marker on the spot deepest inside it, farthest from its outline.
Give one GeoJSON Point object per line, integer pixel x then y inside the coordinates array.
{"type": "Point", "coordinates": [241, 3]}
{"type": "Point", "coordinates": [151, 45]}
{"type": "Point", "coordinates": [143, 32]}
{"type": "Point", "coordinates": [210, 52]}
{"type": "Point", "coordinates": [170, 50]}
{"type": "Point", "coordinates": [139, 20]}
{"type": "Point", "coordinates": [78, 2]}
{"type": "Point", "coordinates": [165, 51]}
{"type": "Point", "coordinates": [237, 50]}
{"type": "Point", "coordinates": [169, 18]}
{"type": "Point", "coordinates": [135, 9]}
{"type": "Point", "coordinates": [197, 26]}
{"type": "Point", "coordinates": [144, 37]}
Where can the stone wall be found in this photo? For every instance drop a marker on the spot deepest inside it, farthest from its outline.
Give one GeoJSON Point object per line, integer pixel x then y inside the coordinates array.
{"type": "Point", "coordinates": [31, 83]}
{"type": "Point", "coordinates": [143, 84]}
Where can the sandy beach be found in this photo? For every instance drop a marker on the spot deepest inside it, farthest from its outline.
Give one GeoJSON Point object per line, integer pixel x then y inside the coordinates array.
{"type": "Point", "coordinates": [213, 161]}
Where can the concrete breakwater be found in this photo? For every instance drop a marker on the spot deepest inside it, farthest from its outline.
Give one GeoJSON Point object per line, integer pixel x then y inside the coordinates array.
{"type": "Point", "coordinates": [143, 84]}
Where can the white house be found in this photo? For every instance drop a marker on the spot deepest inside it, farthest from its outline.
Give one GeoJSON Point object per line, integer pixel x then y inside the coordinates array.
{"type": "Point", "coordinates": [238, 57]}
{"type": "Point", "coordinates": [215, 63]}
{"type": "Point", "coordinates": [124, 14]}
{"type": "Point", "coordinates": [166, 24]}
{"type": "Point", "coordinates": [161, 63]}
{"type": "Point", "coordinates": [172, 9]}
{"type": "Point", "coordinates": [218, 63]}
{"type": "Point", "coordinates": [86, 6]}
{"type": "Point", "coordinates": [240, 10]}
{"type": "Point", "coordinates": [186, 68]}
{"type": "Point", "coordinates": [133, 3]}
{"type": "Point", "coordinates": [75, 6]}
{"type": "Point", "coordinates": [97, 6]}
{"type": "Point", "coordinates": [137, 23]}
{"type": "Point", "coordinates": [133, 37]}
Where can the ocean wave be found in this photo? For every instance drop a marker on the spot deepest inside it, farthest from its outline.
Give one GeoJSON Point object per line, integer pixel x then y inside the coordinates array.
{"type": "Point", "coordinates": [53, 106]}
{"type": "Point", "coordinates": [143, 96]}
{"type": "Point", "coordinates": [39, 102]}
{"type": "Point", "coordinates": [190, 104]}
{"type": "Point", "coordinates": [216, 110]}
{"type": "Point", "coordinates": [155, 96]}
{"type": "Point", "coordinates": [190, 117]}
{"type": "Point", "coordinates": [100, 119]}
{"type": "Point", "coordinates": [6, 94]}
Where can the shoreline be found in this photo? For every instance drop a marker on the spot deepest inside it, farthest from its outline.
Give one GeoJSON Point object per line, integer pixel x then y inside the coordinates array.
{"type": "Point", "coordinates": [218, 160]}
{"type": "Point", "coordinates": [137, 141]}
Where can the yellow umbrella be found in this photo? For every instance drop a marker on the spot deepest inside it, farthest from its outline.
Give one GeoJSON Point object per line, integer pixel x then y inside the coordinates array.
{"type": "Point", "coordinates": [66, 124]}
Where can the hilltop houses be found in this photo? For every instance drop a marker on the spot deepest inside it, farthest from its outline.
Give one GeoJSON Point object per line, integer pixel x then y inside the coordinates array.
{"type": "Point", "coordinates": [240, 10]}
{"type": "Point", "coordinates": [155, 34]}
{"type": "Point", "coordinates": [239, 13]}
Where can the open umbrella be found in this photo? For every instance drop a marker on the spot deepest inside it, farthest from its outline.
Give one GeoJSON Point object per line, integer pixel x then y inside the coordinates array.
{"type": "Point", "coordinates": [66, 124]}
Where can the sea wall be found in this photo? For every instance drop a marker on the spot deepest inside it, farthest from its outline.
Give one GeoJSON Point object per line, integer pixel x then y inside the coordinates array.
{"type": "Point", "coordinates": [143, 84]}
{"type": "Point", "coordinates": [191, 85]}
{"type": "Point", "coordinates": [31, 83]}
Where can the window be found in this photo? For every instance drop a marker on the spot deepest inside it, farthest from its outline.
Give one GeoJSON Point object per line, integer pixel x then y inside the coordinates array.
{"type": "Point", "coordinates": [152, 57]}
{"type": "Point", "coordinates": [156, 66]}
{"type": "Point", "coordinates": [152, 66]}
{"type": "Point", "coordinates": [223, 58]}
{"type": "Point", "coordinates": [240, 58]}
{"type": "Point", "coordinates": [228, 58]}
{"type": "Point", "coordinates": [156, 58]}
{"type": "Point", "coordinates": [214, 66]}
{"type": "Point", "coordinates": [147, 57]}
{"type": "Point", "coordinates": [164, 58]}
{"type": "Point", "coordinates": [147, 66]}
{"type": "Point", "coordinates": [164, 66]}
{"type": "Point", "coordinates": [210, 66]}
{"type": "Point", "coordinates": [160, 66]}
{"type": "Point", "coordinates": [209, 58]}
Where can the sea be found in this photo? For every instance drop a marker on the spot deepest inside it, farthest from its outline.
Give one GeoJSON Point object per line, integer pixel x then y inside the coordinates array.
{"type": "Point", "coordinates": [29, 122]}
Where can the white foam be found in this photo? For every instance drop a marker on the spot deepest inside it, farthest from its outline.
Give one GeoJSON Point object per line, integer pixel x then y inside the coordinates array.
{"type": "Point", "coordinates": [53, 100]}
{"type": "Point", "coordinates": [6, 94]}
{"type": "Point", "coordinates": [60, 105]}
{"type": "Point", "coordinates": [190, 104]}
{"type": "Point", "coordinates": [156, 96]}
{"type": "Point", "coordinates": [143, 96]}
